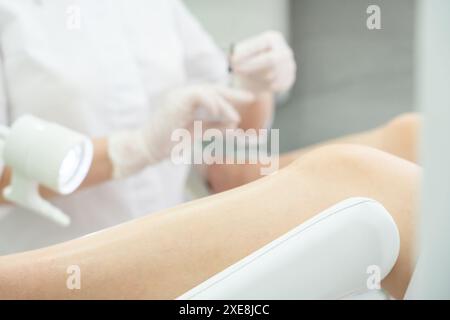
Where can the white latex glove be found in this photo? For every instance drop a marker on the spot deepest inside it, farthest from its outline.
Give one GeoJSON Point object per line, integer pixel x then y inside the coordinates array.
{"type": "Point", "coordinates": [133, 150]}
{"type": "Point", "coordinates": [264, 63]}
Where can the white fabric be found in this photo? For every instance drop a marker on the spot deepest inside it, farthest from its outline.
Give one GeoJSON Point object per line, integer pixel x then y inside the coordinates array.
{"type": "Point", "coordinates": [106, 76]}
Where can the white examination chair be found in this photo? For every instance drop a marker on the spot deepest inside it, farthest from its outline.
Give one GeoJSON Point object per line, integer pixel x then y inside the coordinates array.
{"type": "Point", "coordinates": [337, 253]}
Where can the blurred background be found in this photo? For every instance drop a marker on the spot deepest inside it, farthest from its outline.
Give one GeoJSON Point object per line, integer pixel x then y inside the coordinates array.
{"type": "Point", "coordinates": [349, 78]}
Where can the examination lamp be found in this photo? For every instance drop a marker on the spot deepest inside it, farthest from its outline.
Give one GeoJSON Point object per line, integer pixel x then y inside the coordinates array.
{"type": "Point", "coordinates": [47, 154]}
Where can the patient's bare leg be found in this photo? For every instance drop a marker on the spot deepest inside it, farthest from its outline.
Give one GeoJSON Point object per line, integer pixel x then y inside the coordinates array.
{"type": "Point", "coordinates": [164, 255]}
{"type": "Point", "coordinates": [398, 137]}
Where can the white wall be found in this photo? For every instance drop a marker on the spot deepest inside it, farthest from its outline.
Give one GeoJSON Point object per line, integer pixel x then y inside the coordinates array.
{"type": "Point", "coordinates": [349, 78]}
{"type": "Point", "coordinates": [232, 20]}
{"type": "Point", "coordinates": [432, 275]}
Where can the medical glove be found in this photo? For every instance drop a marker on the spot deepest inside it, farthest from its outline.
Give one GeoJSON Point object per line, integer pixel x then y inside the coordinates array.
{"type": "Point", "coordinates": [264, 63]}
{"type": "Point", "coordinates": [216, 106]}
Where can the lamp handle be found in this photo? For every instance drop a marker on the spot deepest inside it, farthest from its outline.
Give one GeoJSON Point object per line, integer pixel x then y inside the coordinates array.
{"type": "Point", "coordinates": [25, 193]}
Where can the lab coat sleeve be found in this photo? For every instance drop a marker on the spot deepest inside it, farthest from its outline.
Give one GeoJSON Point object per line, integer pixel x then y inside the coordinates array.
{"type": "Point", "coordinates": [204, 61]}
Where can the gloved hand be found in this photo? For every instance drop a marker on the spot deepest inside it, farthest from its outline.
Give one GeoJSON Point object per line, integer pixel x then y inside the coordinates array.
{"type": "Point", "coordinates": [133, 150]}
{"type": "Point", "coordinates": [264, 63]}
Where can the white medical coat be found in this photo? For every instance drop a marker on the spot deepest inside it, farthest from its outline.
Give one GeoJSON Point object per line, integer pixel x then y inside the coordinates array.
{"type": "Point", "coordinates": [98, 66]}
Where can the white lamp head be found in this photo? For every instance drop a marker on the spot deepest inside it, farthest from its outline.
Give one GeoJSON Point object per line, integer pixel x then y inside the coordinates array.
{"type": "Point", "coordinates": [47, 154]}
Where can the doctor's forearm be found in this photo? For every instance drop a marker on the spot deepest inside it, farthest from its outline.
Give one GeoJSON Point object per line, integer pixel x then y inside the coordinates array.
{"type": "Point", "coordinates": [101, 168]}
{"type": "Point", "coordinates": [258, 114]}
{"type": "Point", "coordinates": [255, 116]}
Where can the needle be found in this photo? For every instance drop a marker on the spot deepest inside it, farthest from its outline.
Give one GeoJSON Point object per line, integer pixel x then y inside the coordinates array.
{"type": "Point", "coordinates": [230, 55]}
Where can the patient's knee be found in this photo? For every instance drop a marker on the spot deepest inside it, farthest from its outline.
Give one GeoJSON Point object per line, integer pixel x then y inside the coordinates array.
{"type": "Point", "coordinates": [353, 166]}
{"type": "Point", "coordinates": [405, 121]}
{"type": "Point", "coordinates": [405, 125]}
{"type": "Point", "coordinates": [339, 158]}
{"type": "Point", "coordinates": [400, 135]}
